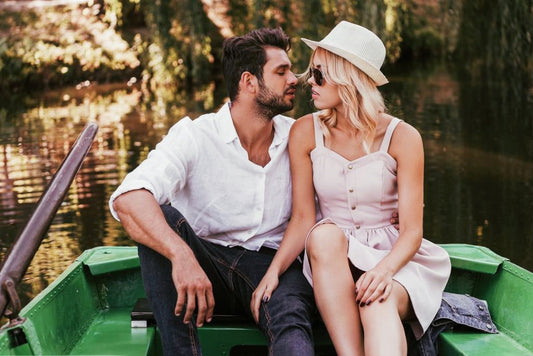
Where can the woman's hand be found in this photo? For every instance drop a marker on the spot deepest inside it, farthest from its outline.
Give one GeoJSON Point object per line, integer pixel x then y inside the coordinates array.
{"type": "Point", "coordinates": [263, 292]}
{"type": "Point", "coordinates": [375, 284]}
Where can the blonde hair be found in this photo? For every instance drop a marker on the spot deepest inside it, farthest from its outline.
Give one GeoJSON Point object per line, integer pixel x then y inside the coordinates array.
{"type": "Point", "coordinates": [361, 99]}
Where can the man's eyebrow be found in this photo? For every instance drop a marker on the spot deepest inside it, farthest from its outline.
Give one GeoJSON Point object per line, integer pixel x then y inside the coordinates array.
{"type": "Point", "coordinates": [282, 66]}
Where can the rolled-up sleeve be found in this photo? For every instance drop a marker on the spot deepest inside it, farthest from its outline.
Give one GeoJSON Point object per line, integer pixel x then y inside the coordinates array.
{"type": "Point", "coordinates": [164, 172]}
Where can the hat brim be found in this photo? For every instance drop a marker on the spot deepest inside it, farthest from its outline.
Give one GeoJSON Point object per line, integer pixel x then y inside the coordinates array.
{"type": "Point", "coordinates": [373, 72]}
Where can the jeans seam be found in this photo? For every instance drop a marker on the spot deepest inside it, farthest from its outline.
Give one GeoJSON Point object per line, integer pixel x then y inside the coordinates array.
{"type": "Point", "coordinates": [179, 223]}
{"type": "Point", "coordinates": [193, 340]}
{"type": "Point", "coordinates": [267, 314]}
{"type": "Point", "coordinates": [268, 331]}
{"type": "Point", "coordinates": [232, 269]}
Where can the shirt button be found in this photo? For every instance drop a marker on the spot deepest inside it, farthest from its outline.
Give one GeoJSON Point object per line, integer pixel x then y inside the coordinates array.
{"type": "Point", "coordinates": [350, 166]}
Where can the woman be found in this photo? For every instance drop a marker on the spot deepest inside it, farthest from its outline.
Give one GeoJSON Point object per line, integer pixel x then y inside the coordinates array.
{"type": "Point", "coordinates": [361, 164]}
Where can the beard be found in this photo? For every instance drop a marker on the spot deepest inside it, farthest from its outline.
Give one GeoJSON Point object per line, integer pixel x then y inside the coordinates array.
{"type": "Point", "coordinates": [269, 104]}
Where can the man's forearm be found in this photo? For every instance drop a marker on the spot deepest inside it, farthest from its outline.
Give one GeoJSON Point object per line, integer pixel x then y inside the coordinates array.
{"type": "Point", "coordinates": [143, 220]}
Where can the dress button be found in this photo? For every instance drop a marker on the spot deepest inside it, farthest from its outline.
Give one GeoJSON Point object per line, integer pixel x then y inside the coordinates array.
{"type": "Point", "coordinates": [353, 207]}
{"type": "Point", "coordinates": [357, 227]}
{"type": "Point", "coordinates": [351, 190]}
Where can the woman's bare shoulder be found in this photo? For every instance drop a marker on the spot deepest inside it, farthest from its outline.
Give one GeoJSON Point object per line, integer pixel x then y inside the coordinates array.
{"type": "Point", "coordinates": [304, 124]}
{"type": "Point", "coordinates": [406, 139]}
{"type": "Point", "coordinates": [303, 130]}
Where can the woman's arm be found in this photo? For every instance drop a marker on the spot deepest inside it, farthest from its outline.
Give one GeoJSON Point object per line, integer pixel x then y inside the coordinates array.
{"type": "Point", "coordinates": [301, 143]}
{"type": "Point", "coordinates": [407, 148]}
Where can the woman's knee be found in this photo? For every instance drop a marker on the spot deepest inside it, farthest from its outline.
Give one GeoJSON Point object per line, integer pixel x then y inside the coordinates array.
{"type": "Point", "coordinates": [326, 240]}
{"type": "Point", "coordinates": [397, 305]}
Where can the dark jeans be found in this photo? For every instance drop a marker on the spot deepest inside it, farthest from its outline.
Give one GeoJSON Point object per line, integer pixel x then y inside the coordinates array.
{"type": "Point", "coordinates": [460, 311]}
{"type": "Point", "coordinates": [234, 273]}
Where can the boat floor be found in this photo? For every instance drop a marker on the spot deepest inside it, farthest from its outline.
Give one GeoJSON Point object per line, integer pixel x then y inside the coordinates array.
{"type": "Point", "coordinates": [111, 333]}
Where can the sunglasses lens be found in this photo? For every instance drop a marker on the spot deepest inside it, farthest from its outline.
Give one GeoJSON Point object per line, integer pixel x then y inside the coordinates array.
{"type": "Point", "coordinates": [317, 74]}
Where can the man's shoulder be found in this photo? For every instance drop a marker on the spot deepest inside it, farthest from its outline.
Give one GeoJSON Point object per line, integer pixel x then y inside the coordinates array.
{"type": "Point", "coordinates": [186, 123]}
{"type": "Point", "coordinates": [283, 122]}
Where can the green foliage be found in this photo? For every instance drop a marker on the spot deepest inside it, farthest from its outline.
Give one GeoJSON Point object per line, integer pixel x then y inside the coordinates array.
{"type": "Point", "coordinates": [175, 45]}
{"type": "Point", "coordinates": [59, 46]}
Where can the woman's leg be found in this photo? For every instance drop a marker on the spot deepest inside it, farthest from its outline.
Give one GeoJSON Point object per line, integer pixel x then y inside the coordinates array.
{"type": "Point", "coordinates": [334, 288]}
{"type": "Point", "coordinates": [382, 323]}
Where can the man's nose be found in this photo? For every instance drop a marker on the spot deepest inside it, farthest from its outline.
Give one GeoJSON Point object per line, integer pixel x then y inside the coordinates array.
{"type": "Point", "coordinates": [292, 78]}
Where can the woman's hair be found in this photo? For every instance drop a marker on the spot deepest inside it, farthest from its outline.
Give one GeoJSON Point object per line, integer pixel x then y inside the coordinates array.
{"type": "Point", "coordinates": [361, 99]}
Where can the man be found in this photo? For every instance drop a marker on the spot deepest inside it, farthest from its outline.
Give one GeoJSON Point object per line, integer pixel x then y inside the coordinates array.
{"type": "Point", "coordinates": [228, 174]}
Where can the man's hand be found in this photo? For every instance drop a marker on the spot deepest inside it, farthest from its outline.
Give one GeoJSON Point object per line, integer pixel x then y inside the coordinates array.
{"type": "Point", "coordinates": [395, 220]}
{"type": "Point", "coordinates": [194, 289]}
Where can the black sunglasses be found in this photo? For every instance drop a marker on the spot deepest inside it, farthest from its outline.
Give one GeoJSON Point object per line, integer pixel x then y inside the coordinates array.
{"type": "Point", "coordinates": [318, 76]}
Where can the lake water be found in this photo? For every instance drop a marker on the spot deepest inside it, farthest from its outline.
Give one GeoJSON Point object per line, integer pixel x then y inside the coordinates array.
{"type": "Point", "coordinates": [478, 139]}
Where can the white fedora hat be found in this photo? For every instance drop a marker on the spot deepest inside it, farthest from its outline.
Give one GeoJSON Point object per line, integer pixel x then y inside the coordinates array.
{"type": "Point", "coordinates": [358, 45]}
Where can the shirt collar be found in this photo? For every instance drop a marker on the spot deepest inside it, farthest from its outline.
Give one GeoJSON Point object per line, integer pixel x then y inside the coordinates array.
{"type": "Point", "coordinates": [226, 127]}
{"type": "Point", "coordinates": [229, 134]}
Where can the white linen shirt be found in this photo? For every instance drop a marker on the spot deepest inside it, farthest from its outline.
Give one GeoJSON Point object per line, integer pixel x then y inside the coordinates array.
{"type": "Point", "coordinates": [201, 169]}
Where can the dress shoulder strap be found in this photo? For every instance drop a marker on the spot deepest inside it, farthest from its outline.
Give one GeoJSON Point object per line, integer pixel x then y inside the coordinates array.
{"type": "Point", "coordinates": [319, 135]}
{"type": "Point", "coordinates": [388, 134]}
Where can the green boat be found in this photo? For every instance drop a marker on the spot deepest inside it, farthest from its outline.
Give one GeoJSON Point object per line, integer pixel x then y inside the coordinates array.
{"type": "Point", "coordinates": [87, 310]}
{"type": "Point", "coordinates": [96, 306]}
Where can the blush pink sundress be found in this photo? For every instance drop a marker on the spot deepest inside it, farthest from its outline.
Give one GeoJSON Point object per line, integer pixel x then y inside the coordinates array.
{"type": "Point", "coordinates": [360, 196]}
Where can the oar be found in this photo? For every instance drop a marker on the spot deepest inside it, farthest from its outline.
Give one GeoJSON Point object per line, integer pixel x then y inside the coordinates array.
{"type": "Point", "coordinates": [27, 243]}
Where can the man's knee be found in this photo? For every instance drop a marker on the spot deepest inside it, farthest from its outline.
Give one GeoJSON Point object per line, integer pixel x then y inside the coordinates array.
{"type": "Point", "coordinates": [292, 305]}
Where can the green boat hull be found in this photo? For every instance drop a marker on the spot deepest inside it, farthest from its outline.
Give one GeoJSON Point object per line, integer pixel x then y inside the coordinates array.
{"type": "Point", "coordinates": [87, 310]}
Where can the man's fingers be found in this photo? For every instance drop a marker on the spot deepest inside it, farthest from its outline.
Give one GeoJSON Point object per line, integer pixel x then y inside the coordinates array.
{"type": "Point", "coordinates": [191, 306]}
{"type": "Point", "coordinates": [210, 305]}
{"type": "Point", "coordinates": [202, 309]}
{"type": "Point", "coordinates": [205, 303]}
{"type": "Point", "coordinates": [180, 302]}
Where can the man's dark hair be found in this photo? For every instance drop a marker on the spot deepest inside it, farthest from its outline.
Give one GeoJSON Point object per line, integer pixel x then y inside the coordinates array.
{"type": "Point", "coordinates": [247, 54]}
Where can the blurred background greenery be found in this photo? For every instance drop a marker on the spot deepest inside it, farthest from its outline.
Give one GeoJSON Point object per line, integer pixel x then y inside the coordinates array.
{"type": "Point", "coordinates": [173, 46]}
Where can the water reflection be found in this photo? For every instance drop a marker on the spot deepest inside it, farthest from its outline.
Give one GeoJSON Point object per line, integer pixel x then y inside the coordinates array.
{"type": "Point", "coordinates": [479, 180]}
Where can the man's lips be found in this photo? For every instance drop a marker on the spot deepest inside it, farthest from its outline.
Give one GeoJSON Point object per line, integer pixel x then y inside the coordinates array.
{"type": "Point", "coordinates": [291, 91]}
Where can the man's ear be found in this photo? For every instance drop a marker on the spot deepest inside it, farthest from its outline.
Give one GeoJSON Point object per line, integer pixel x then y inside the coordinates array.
{"type": "Point", "coordinates": [248, 82]}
